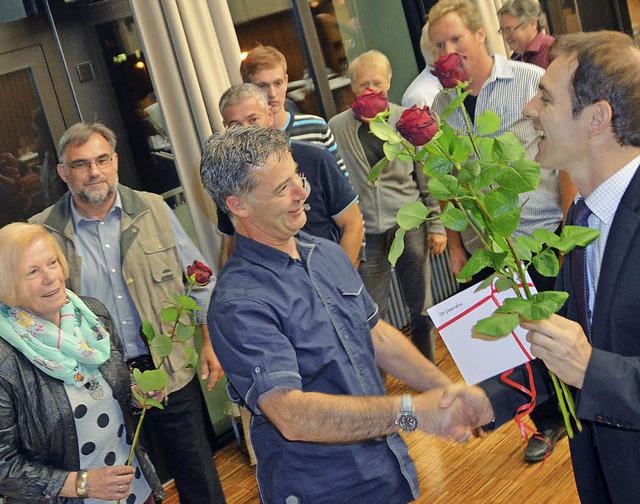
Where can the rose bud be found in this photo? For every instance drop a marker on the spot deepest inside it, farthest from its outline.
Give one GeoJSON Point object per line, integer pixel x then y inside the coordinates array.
{"type": "Point", "coordinates": [201, 273]}
{"type": "Point", "coordinates": [417, 125]}
{"type": "Point", "coordinates": [369, 104]}
{"type": "Point", "coordinates": [450, 70]}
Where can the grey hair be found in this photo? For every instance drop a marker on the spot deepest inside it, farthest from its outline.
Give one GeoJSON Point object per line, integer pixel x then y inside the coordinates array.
{"type": "Point", "coordinates": [427, 48]}
{"type": "Point", "coordinates": [240, 93]}
{"type": "Point", "coordinates": [525, 11]}
{"type": "Point", "coordinates": [229, 160]}
{"type": "Point", "coordinates": [79, 134]}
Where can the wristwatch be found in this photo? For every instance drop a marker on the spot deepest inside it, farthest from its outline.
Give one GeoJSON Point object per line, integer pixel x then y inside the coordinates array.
{"type": "Point", "coordinates": [407, 419]}
{"type": "Point", "coordinates": [81, 484]}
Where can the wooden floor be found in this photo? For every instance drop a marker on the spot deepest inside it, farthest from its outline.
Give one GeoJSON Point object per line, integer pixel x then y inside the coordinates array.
{"type": "Point", "coordinates": [487, 471]}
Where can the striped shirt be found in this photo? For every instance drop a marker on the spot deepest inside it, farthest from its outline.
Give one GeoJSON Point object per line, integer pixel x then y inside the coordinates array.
{"type": "Point", "coordinates": [603, 203]}
{"type": "Point", "coordinates": [314, 129]}
{"type": "Point", "coordinates": [511, 85]}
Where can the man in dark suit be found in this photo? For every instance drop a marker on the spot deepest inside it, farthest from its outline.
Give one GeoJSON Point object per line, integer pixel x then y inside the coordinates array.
{"type": "Point", "coordinates": [587, 108]}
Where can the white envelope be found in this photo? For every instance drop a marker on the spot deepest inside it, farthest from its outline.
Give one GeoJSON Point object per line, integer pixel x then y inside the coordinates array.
{"type": "Point", "coordinates": [479, 358]}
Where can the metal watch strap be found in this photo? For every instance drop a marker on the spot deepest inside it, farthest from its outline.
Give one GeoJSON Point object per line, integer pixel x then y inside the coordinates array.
{"type": "Point", "coordinates": [81, 484]}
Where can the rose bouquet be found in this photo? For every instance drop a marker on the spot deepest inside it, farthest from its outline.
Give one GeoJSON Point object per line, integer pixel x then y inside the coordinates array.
{"type": "Point", "coordinates": [480, 176]}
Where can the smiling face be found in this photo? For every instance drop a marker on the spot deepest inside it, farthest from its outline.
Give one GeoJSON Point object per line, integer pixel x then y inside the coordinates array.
{"type": "Point", "coordinates": [44, 287]}
{"type": "Point", "coordinates": [565, 139]}
{"type": "Point", "coordinates": [274, 211]}
{"type": "Point", "coordinates": [273, 81]}
{"type": "Point", "coordinates": [97, 185]}
{"type": "Point", "coordinates": [250, 112]}
{"type": "Point", "coordinates": [449, 34]}
{"type": "Point", "coordinates": [516, 33]}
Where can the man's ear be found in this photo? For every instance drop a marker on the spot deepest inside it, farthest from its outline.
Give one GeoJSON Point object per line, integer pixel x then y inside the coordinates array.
{"type": "Point", "coordinates": [62, 173]}
{"type": "Point", "coordinates": [237, 206]}
{"type": "Point", "coordinates": [600, 118]}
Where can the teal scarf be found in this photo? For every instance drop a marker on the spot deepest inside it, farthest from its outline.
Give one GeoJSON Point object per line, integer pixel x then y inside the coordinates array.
{"type": "Point", "coordinates": [71, 352]}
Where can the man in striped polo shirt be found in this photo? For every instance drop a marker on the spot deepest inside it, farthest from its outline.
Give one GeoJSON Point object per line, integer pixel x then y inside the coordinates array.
{"type": "Point", "coordinates": [266, 67]}
{"type": "Point", "coordinates": [503, 86]}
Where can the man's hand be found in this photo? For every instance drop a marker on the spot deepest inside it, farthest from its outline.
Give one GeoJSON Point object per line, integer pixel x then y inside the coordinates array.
{"type": "Point", "coordinates": [457, 259]}
{"type": "Point", "coordinates": [210, 368]}
{"type": "Point", "coordinates": [471, 403]}
{"type": "Point", "coordinates": [437, 243]}
{"type": "Point", "coordinates": [562, 345]}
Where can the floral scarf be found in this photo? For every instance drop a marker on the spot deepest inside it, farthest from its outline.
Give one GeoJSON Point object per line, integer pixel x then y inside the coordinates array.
{"type": "Point", "coordinates": [71, 352]}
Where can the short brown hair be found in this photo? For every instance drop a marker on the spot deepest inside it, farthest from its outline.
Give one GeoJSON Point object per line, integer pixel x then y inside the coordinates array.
{"type": "Point", "coordinates": [260, 58]}
{"type": "Point", "coordinates": [15, 238]}
{"type": "Point", "coordinates": [466, 9]}
{"type": "Point", "coordinates": [608, 70]}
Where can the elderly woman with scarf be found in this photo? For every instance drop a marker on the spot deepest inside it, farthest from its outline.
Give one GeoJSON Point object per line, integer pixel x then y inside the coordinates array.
{"type": "Point", "coordinates": [65, 395]}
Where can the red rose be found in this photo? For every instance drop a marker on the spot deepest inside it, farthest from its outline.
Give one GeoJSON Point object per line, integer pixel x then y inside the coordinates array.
{"type": "Point", "coordinates": [450, 70]}
{"type": "Point", "coordinates": [369, 104]}
{"type": "Point", "coordinates": [417, 125]}
{"type": "Point", "coordinates": [201, 273]}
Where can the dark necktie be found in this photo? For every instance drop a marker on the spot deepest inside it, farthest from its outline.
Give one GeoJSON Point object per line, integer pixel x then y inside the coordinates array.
{"type": "Point", "coordinates": [579, 276]}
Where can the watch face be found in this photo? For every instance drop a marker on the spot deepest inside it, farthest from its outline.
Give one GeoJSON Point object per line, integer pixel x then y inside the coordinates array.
{"type": "Point", "coordinates": [407, 421]}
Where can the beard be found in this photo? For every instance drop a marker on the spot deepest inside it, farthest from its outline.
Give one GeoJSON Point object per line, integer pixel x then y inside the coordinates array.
{"type": "Point", "coordinates": [96, 196]}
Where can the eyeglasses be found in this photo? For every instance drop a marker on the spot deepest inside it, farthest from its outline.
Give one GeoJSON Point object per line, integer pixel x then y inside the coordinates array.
{"type": "Point", "coordinates": [508, 31]}
{"type": "Point", "coordinates": [83, 165]}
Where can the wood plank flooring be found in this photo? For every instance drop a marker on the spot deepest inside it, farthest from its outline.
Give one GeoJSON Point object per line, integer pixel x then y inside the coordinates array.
{"type": "Point", "coordinates": [487, 471]}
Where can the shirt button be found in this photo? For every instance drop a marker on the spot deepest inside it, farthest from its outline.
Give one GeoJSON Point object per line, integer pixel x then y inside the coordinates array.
{"type": "Point", "coordinates": [118, 297]}
{"type": "Point", "coordinates": [134, 230]}
{"type": "Point", "coordinates": [124, 322]}
{"type": "Point", "coordinates": [257, 370]}
{"type": "Point", "coordinates": [106, 245]}
{"type": "Point", "coordinates": [102, 223]}
{"type": "Point", "coordinates": [113, 270]}
{"type": "Point", "coordinates": [159, 246]}
{"type": "Point", "coordinates": [129, 281]}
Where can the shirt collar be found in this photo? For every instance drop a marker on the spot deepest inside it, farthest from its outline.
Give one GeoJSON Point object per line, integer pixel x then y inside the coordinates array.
{"type": "Point", "coordinates": [270, 257]}
{"type": "Point", "coordinates": [501, 69]}
{"type": "Point", "coordinates": [77, 217]}
{"type": "Point", "coordinates": [604, 200]}
{"type": "Point", "coordinates": [536, 43]}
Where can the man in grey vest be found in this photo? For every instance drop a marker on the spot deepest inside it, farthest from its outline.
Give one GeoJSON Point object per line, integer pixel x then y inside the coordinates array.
{"type": "Point", "coordinates": [128, 249]}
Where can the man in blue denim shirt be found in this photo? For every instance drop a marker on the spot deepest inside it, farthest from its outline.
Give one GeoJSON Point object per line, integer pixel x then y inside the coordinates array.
{"type": "Point", "coordinates": [300, 341]}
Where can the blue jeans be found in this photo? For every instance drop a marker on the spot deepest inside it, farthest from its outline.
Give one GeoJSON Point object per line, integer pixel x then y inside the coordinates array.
{"type": "Point", "coordinates": [414, 275]}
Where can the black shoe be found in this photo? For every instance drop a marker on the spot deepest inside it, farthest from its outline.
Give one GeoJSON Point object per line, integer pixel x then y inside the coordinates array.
{"type": "Point", "coordinates": [537, 448]}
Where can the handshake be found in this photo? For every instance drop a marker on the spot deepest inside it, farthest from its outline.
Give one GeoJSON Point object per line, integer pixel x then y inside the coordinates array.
{"type": "Point", "coordinates": [453, 413]}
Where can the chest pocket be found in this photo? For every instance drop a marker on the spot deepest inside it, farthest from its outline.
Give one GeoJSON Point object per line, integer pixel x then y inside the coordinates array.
{"type": "Point", "coordinates": [161, 254]}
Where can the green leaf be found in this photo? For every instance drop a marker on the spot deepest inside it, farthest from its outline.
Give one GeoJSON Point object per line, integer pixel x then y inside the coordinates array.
{"type": "Point", "coordinates": [397, 246]}
{"type": "Point", "coordinates": [383, 130]}
{"type": "Point", "coordinates": [437, 165]}
{"type": "Point", "coordinates": [453, 105]}
{"type": "Point", "coordinates": [504, 284]}
{"type": "Point", "coordinates": [541, 305]}
{"type": "Point", "coordinates": [377, 169]}
{"type": "Point", "coordinates": [426, 151]}
{"type": "Point", "coordinates": [188, 303]}
{"type": "Point", "coordinates": [576, 236]}
{"type": "Point", "coordinates": [529, 243]}
{"type": "Point", "coordinates": [392, 150]}
{"type": "Point", "coordinates": [447, 137]}
{"type": "Point", "coordinates": [497, 259]}
{"type": "Point", "coordinates": [469, 173]}
{"type": "Point", "coordinates": [546, 263]}
{"type": "Point", "coordinates": [155, 379]}
{"type": "Point", "coordinates": [405, 157]}
{"type": "Point", "coordinates": [487, 282]}
{"type": "Point", "coordinates": [486, 123]}
{"type": "Point", "coordinates": [478, 261]}
{"type": "Point", "coordinates": [148, 331]}
{"type": "Point", "coordinates": [152, 402]}
{"type": "Point", "coordinates": [488, 172]}
{"type": "Point", "coordinates": [412, 215]}
{"type": "Point", "coordinates": [497, 325]}
{"type": "Point", "coordinates": [184, 332]}
{"type": "Point", "coordinates": [453, 218]}
{"type": "Point", "coordinates": [192, 357]}
{"type": "Point", "coordinates": [553, 300]}
{"type": "Point", "coordinates": [508, 147]}
{"type": "Point", "coordinates": [485, 146]}
{"type": "Point", "coordinates": [504, 210]}
{"type": "Point", "coordinates": [169, 314]}
{"type": "Point", "coordinates": [546, 236]}
{"type": "Point", "coordinates": [161, 345]}
{"type": "Point", "coordinates": [460, 152]}
{"type": "Point", "coordinates": [138, 395]}
{"type": "Point", "coordinates": [444, 188]}
{"type": "Point", "coordinates": [522, 176]}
